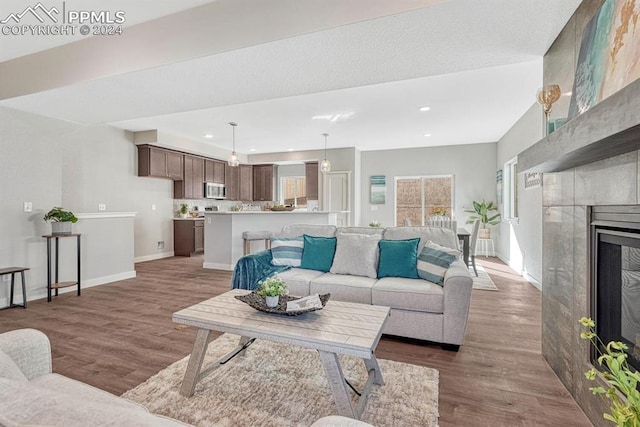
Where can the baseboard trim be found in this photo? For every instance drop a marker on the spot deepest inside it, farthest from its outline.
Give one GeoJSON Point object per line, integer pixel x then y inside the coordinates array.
{"type": "Point", "coordinates": [216, 266]}
{"type": "Point", "coordinates": [153, 257]}
{"type": "Point", "coordinates": [533, 281]}
{"type": "Point", "coordinates": [89, 283]}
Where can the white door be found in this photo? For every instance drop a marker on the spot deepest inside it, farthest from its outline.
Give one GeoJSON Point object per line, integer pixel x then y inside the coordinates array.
{"type": "Point", "coordinates": [336, 195]}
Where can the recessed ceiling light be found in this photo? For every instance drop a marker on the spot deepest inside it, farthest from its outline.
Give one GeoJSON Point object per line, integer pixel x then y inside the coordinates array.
{"type": "Point", "coordinates": [208, 135]}
{"type": "Point", "coordinates": [252, 149]}
{"type": "Point", "coordinates": [424, 108]}
{"type": "Point", "coordinates": [427, 134]}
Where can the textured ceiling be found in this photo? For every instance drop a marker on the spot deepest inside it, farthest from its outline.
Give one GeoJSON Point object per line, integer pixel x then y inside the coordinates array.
{"type": "Point", "coordinates": [476, 63]}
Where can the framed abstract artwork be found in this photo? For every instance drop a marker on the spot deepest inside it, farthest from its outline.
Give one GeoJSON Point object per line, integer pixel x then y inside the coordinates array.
{"type": "Point", "coordinates": [378, 189]}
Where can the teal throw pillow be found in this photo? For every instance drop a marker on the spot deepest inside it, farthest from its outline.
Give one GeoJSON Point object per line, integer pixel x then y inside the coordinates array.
{"type": "Point", "coordinates": [318, 253]}
{"type": "Point", "coordinates": [434, 261]}
{"type": "Point", "coordinates": [398, 258]}
{"type": "Point", "coordinates": [286, 251]}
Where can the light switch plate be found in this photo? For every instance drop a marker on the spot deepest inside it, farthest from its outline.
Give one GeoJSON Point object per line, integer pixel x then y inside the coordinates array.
{"type": "Point", "coordinates": [102, 207]}
{"type": "Point", "coordinates": [374, 208]}
{"type": "Point", "coordinates": [153, 207]}
{"type": "Point", "coordinates": [28, 207]}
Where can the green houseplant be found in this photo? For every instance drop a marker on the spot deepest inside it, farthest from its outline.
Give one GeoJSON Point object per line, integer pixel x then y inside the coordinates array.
{"type": "Point", "coordinates": [184, 209]}
{"type": "Point", "coordinates": [61, 220]}
{"type": "Point", "coordinates": [482, 211]}
{"type": "Point", "coordinates": [622, 381]}
{"type": "Point", "coordinates": [271, 288]}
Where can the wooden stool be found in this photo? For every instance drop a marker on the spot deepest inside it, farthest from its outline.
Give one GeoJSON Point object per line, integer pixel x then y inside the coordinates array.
{"type": "Point", "coordinates": [12, 271]}
{"type": "Point", "coordinates": [250, 236]}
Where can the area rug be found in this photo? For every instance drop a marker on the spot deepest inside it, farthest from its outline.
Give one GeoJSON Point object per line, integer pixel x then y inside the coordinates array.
{"type": "Point", "coordinates": [279, 385]}
{"type": "Point", "coordinates": [483, 282]}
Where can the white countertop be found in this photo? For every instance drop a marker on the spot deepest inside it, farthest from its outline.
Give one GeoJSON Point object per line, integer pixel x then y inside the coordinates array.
{"type": "Point", "coordinates": [270, 212]}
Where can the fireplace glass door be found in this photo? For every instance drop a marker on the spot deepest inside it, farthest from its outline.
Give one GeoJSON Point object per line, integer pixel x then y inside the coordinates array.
{"type": "Point", "coordinates": [617, 289]}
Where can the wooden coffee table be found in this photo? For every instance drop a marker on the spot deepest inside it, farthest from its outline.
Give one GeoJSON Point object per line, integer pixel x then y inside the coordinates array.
{"type": "Point", "coordinates": [339, 328]}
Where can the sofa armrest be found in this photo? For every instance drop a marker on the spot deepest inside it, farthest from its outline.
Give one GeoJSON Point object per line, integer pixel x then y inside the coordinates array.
{"type": "Point", "coordinates": [457, 298]}
{"type": "Point", "coordinates": [29, 349]}
{"type": "Point", "coordinates": [252, 268]}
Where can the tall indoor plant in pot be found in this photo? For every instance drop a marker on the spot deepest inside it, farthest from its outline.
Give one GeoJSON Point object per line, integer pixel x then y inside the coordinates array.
{"type": "Point", "coordinates": [482, 211]}
{"type": "Point", "coordinates": [61, 220]}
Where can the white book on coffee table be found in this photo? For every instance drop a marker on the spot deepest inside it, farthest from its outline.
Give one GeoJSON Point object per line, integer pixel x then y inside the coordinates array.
{"type": "Point", "coordinates": [312, 301]}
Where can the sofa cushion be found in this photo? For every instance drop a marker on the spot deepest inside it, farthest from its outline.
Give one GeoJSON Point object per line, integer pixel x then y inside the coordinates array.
{"type": "Point", "coordinates": [297, 280]}
{"type": "Point", "coordinates": [360, 230]}
{"type": "Point", "coordinates": [9, 369]}
{"type": "Point", "coordinates": [318, 253]}
{"type": "Point", "coordinates": [434, 261]}
{"type": "Point", "coordinates": [357, 255]}
{"type": "Point", "coordinates": [439, 235]}
{"type": "Point", "coordinates": [286, 251]}
{"type": "Point", "coordinates": [343, 287]}
{"type": "Point", "coordinates": [408, 294]}
{"type": "Point", "coordinates": [299, 230]}
{"type": "Point", "coordinates": [398, 258]}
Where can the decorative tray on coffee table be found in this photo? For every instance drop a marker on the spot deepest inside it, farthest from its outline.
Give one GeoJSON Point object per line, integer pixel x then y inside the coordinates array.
{"type": "Point", "coordinates": [258, 302]}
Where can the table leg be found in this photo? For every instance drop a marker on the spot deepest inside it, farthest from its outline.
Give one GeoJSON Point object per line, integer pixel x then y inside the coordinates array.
{"type": "Point", "coordinates": [192, 373]}
{"type": "Point", "coordinates": [243, 341]}
{"type": "Point", "coordinates": [337, 383]}
{"type": "Point", "coordinates": [13, 280]}
{"type": "Point", "coordinates": [24, 290]}
{"type": "Point", "coordinates": [465, 249]}
{"type": "Point", "coordinates": [372, 365]}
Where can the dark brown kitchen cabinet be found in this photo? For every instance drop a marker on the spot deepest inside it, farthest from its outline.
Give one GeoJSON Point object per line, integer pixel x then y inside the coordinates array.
{"type": "Point", "coordinates": [311, 179]}
{"type": "Point", "coordinates": [192, 186]}
{"type": "Point", "coordinates": [214, 171]}
{"type": "Point", "coordinates": [158, 162]}
{"type": "Point", "coordinates": [262, 183]}
{"type": "Point", "coordinates": [188, 237]}
{"type": "Point", "coordinates": [246, 183]}
{"type": "Point", "coordinates": [232, 183]}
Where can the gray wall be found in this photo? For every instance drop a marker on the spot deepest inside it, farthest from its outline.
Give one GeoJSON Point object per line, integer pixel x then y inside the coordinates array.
{"type": "Point", "coordinates": [473, 167]}
{"type": "Point", "coordinates": [519, 243]}
{"type": "Point", "coordinates": [54, 163]}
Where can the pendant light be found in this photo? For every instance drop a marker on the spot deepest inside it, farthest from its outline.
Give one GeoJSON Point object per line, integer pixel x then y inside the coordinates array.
{"type": "Point", "coordinates": [325, 165]}
{"type": "Point", "coordinates": [233, 158]}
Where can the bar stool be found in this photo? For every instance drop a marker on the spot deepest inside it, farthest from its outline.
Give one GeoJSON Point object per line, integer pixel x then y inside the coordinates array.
{"type": "Point", "coordinates": [250, 236]}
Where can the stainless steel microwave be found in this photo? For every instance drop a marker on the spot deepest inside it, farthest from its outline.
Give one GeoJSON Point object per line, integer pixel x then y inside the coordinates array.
{"type": "Point", "coordinates": [214, 190]}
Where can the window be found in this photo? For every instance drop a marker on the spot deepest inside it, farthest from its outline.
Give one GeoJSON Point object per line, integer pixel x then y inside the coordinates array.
{"type": "Point", "coordinates": [293, 191]}
{"type": "Point", "coordinates": [511, 189]}
{"type": "Point", "coordinates": [419, 198]}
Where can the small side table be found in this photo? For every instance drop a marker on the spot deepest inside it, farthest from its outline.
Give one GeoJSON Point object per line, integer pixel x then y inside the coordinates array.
{"type": "Point", "coordinates": [485, 247]}
{"type": "Point", "coordinates": [12, 271]}
{"type": "Point", "coordinates": [55, 284]}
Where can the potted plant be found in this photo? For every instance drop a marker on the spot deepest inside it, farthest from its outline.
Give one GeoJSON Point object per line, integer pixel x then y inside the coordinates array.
{"type": "Point", "coordinates": [622, 381]}
{"type": "Point", "coordinates": [61, 220]}
{"type": "Point", "coordinates": [375, 224]}
{"type": "Point", "coordinates": [184, 209]}
{"type": "Point", "coordinates": [271, 288]}
{"type": "Point", "coordinates": [481, 211]}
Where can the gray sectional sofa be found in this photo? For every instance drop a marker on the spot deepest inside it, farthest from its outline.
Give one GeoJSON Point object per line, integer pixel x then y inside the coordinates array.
{"type": "Point", "coordinates": [419, 309]}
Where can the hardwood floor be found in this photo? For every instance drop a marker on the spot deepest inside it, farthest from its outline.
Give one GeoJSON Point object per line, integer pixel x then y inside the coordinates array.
{"type": "Point", "coordinates": [116, 336]}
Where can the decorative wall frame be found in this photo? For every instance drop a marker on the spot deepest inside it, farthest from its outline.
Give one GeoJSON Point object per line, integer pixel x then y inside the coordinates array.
{"type": "Point", "coordinates": [499, 187]}
{"type": "Point", "coordinates": [378, 189]}
{"type": "Point", "coordinates": [532, 180]}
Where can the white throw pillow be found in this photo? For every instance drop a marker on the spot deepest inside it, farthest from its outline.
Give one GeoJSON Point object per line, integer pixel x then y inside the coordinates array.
{"type": "Point", "coordinates": [357, 255]}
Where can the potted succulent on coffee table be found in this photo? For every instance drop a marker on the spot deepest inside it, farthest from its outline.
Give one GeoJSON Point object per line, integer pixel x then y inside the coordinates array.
{"type": "Point", "coordinates": [61, 220]}
{"type": "Point", "coordinates": [271, 288]}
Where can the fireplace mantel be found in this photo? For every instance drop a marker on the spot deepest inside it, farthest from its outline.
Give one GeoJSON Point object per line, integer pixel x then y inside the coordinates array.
{"type": "Point", "coordinates": [608, 129]}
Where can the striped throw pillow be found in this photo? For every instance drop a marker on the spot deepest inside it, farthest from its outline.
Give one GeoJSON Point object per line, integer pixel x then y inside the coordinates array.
{"type": "Point", "coordinates": [434, 261]}
{"type": "Point", "coordinates": [287, 251]}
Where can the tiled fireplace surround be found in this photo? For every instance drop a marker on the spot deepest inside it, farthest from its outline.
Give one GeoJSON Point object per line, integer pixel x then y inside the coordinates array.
{"type": "Point", "coordinates": [567, 196]}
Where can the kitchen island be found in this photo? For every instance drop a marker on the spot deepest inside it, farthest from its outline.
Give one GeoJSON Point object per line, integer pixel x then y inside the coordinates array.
{"type": "Point", "coordinates": [223, 243]}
